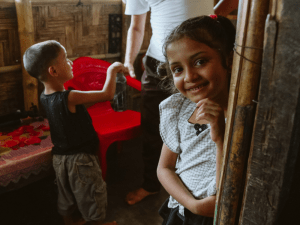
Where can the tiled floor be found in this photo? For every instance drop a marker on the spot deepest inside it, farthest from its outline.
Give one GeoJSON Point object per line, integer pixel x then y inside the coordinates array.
{"type": "Point", "coordinates": [35, 204]}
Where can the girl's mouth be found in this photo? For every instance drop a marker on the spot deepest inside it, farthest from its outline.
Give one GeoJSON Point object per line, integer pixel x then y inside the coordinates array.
{"type": "Point", "coordinates": [198, 87]}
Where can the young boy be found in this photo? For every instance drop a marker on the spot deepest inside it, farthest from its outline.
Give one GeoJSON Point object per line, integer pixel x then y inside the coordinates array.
{"type": "Point", "coordinates": [78, 174]}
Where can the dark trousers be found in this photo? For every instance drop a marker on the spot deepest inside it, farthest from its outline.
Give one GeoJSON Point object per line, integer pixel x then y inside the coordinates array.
{"type": "Point", "coordinates": [152, 95]}
{"type": "Point", "coordinates": [173, 217]}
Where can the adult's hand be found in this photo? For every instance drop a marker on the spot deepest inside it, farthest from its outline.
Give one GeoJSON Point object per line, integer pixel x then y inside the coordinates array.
{"type": "Point", "coordinates": [134, 41]}
{"type": "Point", "coordinates": [129, 69]}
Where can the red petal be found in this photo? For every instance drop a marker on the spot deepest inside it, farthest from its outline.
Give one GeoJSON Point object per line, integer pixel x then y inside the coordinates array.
{"type": "Point", "coordinates": [15, 133]}
{"type": "Point", "coordinates": [10, 143]}
{"type": "Point", "coordinates": [16, 147]}
{"type": "Point", "coordinates": [33, 133]}
{"type": "Point", "coordinates": [22, 144]}
{"type": "Point", "coordinates": [32, 140]}
{"type": "Point", "coordinates": [43, 127]}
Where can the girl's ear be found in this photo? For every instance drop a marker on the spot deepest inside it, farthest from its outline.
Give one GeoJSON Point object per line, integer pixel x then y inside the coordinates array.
{"type": "Point", "coordinates": [52, 71]}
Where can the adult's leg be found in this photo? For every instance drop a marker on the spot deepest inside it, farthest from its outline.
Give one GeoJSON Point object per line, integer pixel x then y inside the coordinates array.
{"type": "Point", "coordinates": [152, 142]}
{"type": "Point", "coordinates": [152, 95]}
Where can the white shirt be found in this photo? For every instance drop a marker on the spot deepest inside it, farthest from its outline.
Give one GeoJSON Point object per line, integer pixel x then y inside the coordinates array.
{"type": "Point", "coordinates": [196, 161]}
{"type": "Point", "coordinates": [166, 15]}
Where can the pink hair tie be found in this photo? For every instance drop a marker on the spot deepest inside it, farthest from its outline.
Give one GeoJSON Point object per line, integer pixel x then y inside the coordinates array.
{"type": "Point", "coordinates": [214, 17]}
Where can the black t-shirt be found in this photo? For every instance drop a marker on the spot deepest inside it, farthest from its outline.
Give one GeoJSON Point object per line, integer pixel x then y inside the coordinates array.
{"type": "Point", "coordinates": [71, 133]}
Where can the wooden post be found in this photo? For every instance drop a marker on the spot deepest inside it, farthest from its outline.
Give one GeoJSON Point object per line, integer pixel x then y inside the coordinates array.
{"type": "Point", "coordinates": [276, 144]}
{"type": "Point", "coordinates": [241, 108]}
{"type": "Point", "coordinates": [26, 36]}
{"type": "Point", "coordinates": [124, 32]}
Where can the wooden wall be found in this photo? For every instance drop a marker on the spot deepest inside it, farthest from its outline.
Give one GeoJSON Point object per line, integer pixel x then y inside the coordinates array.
{"type": "Point", "coordinates": [83, 30]}
{"type": "Point", "coordinates": [11, 90]}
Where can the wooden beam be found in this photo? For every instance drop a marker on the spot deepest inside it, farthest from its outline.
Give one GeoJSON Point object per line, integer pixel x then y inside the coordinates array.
{"type": "Point", "coordinates": [124, 32]}
{"type": "Point", "coordinates": [26, 36]}
{"type": "Point", "coordinates": [62, 1]}
{"type": "Point", "coordinates": [276, 144]}
{"type": "Point", "coordinates": [11, 3]}
{"type": "Point", "coordinates": [241, 108]}
{"type": "Point", "coordinates": [101, 56]}
{"type": "Point", "coordinates": [7, 69]}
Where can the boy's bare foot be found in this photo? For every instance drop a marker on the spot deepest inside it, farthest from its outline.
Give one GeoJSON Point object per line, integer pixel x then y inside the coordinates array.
{"type": "Point", "coordinates": [69, 220]}
{"type": "Point", "coordinates": [111, 223]}
{"type": "Point", "coordinates": [137, 196]}
{"type": "Point", "coordinates": [100, 223]}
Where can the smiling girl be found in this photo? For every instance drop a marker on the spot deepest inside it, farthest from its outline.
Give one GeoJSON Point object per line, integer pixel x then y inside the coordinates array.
{"type": "Point", "coordinates": [192, 122]}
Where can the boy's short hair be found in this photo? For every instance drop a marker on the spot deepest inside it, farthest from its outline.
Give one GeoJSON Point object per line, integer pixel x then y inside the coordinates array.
{"type": "Point", "coordinates": [38, 57]}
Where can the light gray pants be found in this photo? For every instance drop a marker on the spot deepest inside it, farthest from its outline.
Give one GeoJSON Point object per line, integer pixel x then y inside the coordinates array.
{"type": "Point", "coordinates": [80, 186]}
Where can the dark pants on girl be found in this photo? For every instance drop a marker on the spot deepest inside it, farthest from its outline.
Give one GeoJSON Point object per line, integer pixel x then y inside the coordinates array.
{"type": "Point", "coordinates": [173, 217]}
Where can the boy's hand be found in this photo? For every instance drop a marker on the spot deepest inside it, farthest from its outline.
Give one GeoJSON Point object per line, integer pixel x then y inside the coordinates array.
{"type": "Point", "coordinates": [115, 68]}
{"type": "Point", "coordinates": [214, 114]}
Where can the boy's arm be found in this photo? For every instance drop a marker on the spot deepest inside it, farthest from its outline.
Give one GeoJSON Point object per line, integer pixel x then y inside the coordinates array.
{"type": "Point", "coordinates": [134, 41]}
{"type": "Point", "coordinates": [174, 186]}
{"type": "Point", "coordinates": [224, 7]}
{"type": "Point", "coordinates": [107, 93]}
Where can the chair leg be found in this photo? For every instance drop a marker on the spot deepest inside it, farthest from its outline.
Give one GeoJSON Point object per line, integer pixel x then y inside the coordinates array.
{"type": "Point", "coordinates": [119, 147]}
{"type": "Point", "coordinates": [102, 158]}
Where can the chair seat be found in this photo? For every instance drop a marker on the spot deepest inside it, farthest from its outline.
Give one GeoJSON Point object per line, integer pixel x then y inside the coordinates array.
{"type": "Point", "coordinates": [116, 123]}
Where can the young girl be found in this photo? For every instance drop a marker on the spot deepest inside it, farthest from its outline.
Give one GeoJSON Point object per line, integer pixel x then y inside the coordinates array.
{"type": "Point", "coordinates": [192, 122]}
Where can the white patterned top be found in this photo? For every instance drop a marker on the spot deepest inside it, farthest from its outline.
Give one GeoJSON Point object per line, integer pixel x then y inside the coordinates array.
{"type": "Point", "coordinates": [196, 161]}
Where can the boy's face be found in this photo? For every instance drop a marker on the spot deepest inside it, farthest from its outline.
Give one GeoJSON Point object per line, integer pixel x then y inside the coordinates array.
{"type": "Point", "coordinates": [63, 66]}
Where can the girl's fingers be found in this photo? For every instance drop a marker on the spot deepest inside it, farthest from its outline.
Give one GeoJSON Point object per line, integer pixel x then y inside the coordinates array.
{"type": "Point", "coordinates": [214, 109]}
{"type": "Point", "coordinates": [204, 108]}
{"type": "Point", "coordinates": [210, 111]}
{"type": "Point", "coordinates": [206, 116]}
{"type": "Point", "coordinates": [206, 101]}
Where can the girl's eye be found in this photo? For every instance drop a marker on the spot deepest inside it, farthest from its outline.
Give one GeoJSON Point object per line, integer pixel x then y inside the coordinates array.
{"type": "Point", "coordinates": [176, 70]}
{"type": "Point", "coordinates": [200, 62]}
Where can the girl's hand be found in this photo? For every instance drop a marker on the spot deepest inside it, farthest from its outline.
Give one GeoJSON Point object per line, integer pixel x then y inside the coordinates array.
{"type": "Point", "coordinates": [203, 207]}
{"type": "Point", "coordinates": [214, 114]}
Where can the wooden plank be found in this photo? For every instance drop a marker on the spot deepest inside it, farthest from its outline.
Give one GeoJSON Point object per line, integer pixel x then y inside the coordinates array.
{"type": "Point", "coordinates": [276, 143]}
{"type": "Point", "coordinates": [73, 2]}
{"type": "Point", "coordinates": [96, 12]}
{"type": "Point", "coordinates": [10, 82]}
{"type": "Point", "coordinates": [101, 56]}
{"type": "Point", "coordinates": [7, 69]}
{"type": "Point", "coordinates": [125, 26]}
{"type": "Point", "coordinates": [69, 40]}
{"type": "Point", "coordinates": [26, 36]}
{"type": "Point", "coordinates": [1, 55]}
{"type": "Point", "coordinates": [78, 29]}
{"type": "Point", "coordinates": [241, 108]}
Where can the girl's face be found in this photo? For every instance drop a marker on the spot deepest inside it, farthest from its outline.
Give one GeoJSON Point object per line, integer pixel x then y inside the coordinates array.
{"type": "Point", "coordinates": [197, 71]}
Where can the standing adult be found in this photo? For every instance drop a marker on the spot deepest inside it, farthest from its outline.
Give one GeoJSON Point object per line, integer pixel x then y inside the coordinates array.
{"type": "Point", "coordinates": [165, 15]}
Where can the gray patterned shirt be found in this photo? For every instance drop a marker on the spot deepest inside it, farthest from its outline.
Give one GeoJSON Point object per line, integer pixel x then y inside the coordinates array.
{"type": "Point", "coordinates": [196, 161]}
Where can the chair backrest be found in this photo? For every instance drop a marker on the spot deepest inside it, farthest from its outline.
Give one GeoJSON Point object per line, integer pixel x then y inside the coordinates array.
{"type": "Point", "coordinates": [89, 74]}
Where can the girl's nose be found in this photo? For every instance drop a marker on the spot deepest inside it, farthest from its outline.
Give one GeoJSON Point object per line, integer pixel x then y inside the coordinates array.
{"type": "Point", "coordinates": [191, 75]}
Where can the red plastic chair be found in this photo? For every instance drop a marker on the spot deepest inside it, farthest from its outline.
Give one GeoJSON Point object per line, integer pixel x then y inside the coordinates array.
{"type": "Point", "coordinates": [111, 126]}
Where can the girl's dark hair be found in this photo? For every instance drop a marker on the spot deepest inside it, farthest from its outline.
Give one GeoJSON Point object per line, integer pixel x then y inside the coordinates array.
{"type": "Point", "coordinates": [218, 34]}
{"type": "Point", "coordinates": [38, 57]}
